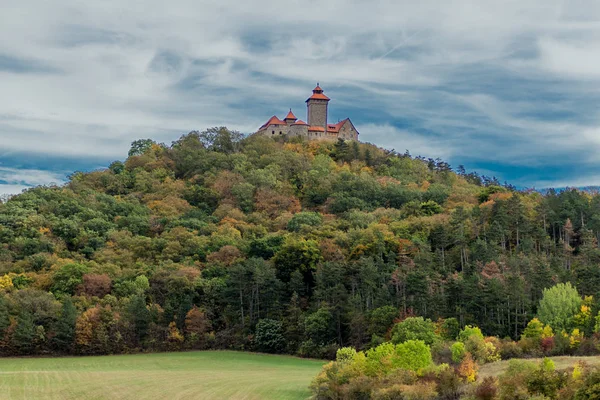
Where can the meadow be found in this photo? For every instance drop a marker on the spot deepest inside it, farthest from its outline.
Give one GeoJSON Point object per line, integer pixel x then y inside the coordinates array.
{"type": "Point", "coordinates": [187, 375]}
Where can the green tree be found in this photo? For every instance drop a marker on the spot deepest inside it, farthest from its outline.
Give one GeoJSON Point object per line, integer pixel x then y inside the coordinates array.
{"type": "Point", "coordinates": [414, 328]}
{"type": "Point", "coordinates": [140, 146]}
{"type": "Point", "coordinates": [269, 336]}
{"type": "Point", "coordinates": [65, 327]}
{"type": "Point", "coordinates": [25, 333]}
{"type": "Point", "coordinates": [139, 316]}
{"type": "Point", "coordinates": [412, 355]}
{"type": "Point", "coordinates": [558, 306]}
{"type": "Point", "coordinates": [320, 327]}
{"type": "Point", "coordinates": [68, 277]}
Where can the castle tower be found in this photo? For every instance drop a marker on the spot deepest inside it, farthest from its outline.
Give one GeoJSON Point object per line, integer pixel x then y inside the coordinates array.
{"type": "Point", "coordinates": [317, 108]}
{"type": "Point", "coordinates": [290, 118]}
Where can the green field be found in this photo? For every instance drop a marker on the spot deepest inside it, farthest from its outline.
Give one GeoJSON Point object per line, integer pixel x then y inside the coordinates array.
{"type": "Point", "coordinates": [190, 375]}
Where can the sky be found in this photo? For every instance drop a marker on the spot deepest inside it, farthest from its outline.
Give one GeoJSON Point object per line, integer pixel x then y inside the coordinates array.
{"type": "Point", "coordinates": [506, 88]}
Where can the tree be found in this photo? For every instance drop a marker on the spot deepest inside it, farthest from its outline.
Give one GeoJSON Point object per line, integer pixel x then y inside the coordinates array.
{"type": "Point", "coordinates": [534, 329]}
{"type": "Point", "coordinates": [140, 146]}
{"type": "Point", "coordinates": [68, 277]}
{"type": "Point", "coordinates": [558, 306]}
{"type": "Point", "coordinates": [269, 336]}
{"type": "Point", "coordinates": [24, 335]}
{"type": "Point", "coordinates": [221, 139]}
{"type": "Point", "coordinates": [414, 328]}
{"type": "Point", "coordinates": [319, 326]}
{"type": "Point", "coordinates": [65, 327]}
{"type": "Point", "coordinates": [139, 316]}
{"type": "Point", "coordinates": [412, 355]}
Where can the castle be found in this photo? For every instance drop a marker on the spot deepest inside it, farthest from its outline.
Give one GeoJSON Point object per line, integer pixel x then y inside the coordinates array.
{"type": "Point", "coordinates": [316, 127]}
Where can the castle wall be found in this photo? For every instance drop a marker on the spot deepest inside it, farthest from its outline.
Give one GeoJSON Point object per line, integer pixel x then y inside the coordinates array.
{"type": "Point", "coordinates": [275, 130]}
{"type": "Point", "coordinates": [298, 130]}
{"type": "Point", "coordinates": [347, 131]}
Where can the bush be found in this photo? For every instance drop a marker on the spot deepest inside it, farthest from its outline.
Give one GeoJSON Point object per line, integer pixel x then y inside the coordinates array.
{"type": "Point", "coordinates": [487, 389]}
{"type": "Point", "coordinates": [509, 349]}
{"type": "Point", "coordinates": [420, 391]}
{"type": "Point", "coordinates": [590, 388]}
{"type": "Point", "coordinates": [467, 369]}
{"type": "Point", "coordinates": [345, 355]}
{"type": "Point", "coordinates": [414, 328]}
{"type": "Point", "coordinates": [469, 331]}
{"type": "Point", "coordinates": [441, 353]}
{"type": "Point", "coordinates": [412, 355]}
{"type": "Point", "coordinates": [545, 380]}
{"type": "Point", "coordinates": [458, 352]}
{"type": "Point", "coordinates": [269, 336]}
{"type": "Point", "coordinates": [512, 383]}
{"type": "Point", "coordinates": [534, 329]}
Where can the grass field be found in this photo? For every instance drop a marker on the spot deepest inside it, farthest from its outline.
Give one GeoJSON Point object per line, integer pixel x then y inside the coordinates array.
{"type": "Point", "coordinates": [496, 368]}
{"type": "Point", "coordinates": [190, 375]}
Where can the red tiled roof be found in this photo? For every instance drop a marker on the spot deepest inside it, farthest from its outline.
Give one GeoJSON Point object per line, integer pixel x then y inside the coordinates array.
{"type": "Point", "coordinates": [318, 96]}
{"type": "Point", "coordinates": [300, 122]}
{"type": "Point", "coordinates": [290, 115]}
{"type": "Point", "coordinates": [272, 121]}
{"type": "Point", "coordinates": [335, 128]}
{"type": "Point", "coordinates": [316, 129]}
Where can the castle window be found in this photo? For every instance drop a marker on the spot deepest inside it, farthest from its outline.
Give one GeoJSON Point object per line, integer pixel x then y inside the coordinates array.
{"type": "Point", "coordinates": [280, 132]}
{"type": "Point", "coordinates": [272, 132]}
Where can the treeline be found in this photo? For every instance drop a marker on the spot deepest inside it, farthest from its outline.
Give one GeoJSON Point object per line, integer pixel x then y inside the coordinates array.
{"type": "Point", "coordinates": [302, 247]}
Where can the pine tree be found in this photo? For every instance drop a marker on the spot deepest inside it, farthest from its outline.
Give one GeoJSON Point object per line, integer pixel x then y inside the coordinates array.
{"type": "Point", "coordinates": [65, 327]}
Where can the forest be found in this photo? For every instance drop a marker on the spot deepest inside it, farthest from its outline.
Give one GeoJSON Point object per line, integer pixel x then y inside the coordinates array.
{"type": "Point", "coordinates": [220, 241]}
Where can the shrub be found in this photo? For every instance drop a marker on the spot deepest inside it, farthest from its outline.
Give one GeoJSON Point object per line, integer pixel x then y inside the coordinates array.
{"type": "Point", "coordinates": [547, 344]}
{"type": "Point", "coordinates": [412, 355]}
{"type": "Point", "coordinates": [590, 388]}
{"type": "Point", "coordinates": [345, 355]}
{"type": "Point", "coordinates": [487, 389]}
{"type": "Point", "coordinates": [512, 383]}
{"type": "Point", "coordinates": [492, 346]}
{"type": "Point", "coordinates": [449, 385]}
{"type": "Point", "coordinates": [545, 380]}
{"type": "Point", "coordinates": [458, 352]}
{"type": "Point", "coordinates": [562, 344]}
{"type": "Point", "coordinates": [441, 353]}
{"type": "Point", "coordinates": [469, 331]}
{"type": "Point", "coordinates": [420, 391]}
{"type": "Point", "coordinates": [414, 328]}
{"type": "Point", "coordinates": [509, 349]}
{"type": "Point", "coordinates": [530, 346]}
{"type": "Point", "coordinates": [534, 329]}
{"type": "Point", "coordinates": [467, 369]}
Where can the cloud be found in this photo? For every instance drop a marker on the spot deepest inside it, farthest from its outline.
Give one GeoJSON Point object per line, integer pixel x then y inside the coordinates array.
{"type": "Point", "coordinates": [15, 180]}
{"type": "Point", "coordinates": [507, 87]}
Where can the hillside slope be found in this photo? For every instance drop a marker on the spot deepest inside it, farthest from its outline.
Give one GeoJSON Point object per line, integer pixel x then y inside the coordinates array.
{"type": "Point", "coordinates": [218, 241]}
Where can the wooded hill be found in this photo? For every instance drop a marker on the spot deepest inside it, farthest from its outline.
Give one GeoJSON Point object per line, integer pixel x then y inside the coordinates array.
{"type": "Point", "coordinates": [320, 244]}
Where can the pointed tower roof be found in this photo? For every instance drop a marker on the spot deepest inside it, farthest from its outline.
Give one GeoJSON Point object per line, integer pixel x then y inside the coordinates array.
{"type": "Point", "coordinates": [318, 94]}
{"type": "Point", "coordinates": [290, 115]}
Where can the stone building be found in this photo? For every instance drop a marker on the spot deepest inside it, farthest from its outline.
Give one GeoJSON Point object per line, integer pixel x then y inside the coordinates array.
{"type": "Point", "coordinates": [316, 128]}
